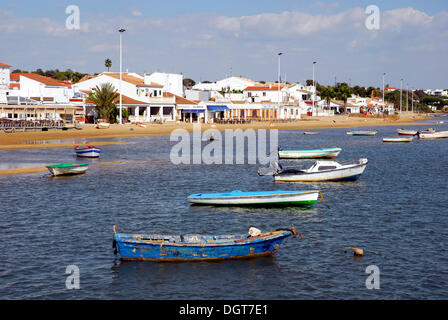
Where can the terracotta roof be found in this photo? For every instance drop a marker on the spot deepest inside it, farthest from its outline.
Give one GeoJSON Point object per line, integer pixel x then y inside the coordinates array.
{"type": "Point", "coordinates": [131, 79]}
{"type": "Point", "coordinates": [42, 79]}
{"type": "Point", "coordinates": [14, 85]}
{"type": "Point", "coordinates": [4, 65]}
{"type": "Point", "coordinates": [66, 83]}
{"type": "Point", "coordinates": [179, 100]}
{"type": "Point", "coordinates": [264, 88]}
{"type": "Point", "coordinates": [124, 99]}
{"type": "Point", "coordinates": [14, 76]}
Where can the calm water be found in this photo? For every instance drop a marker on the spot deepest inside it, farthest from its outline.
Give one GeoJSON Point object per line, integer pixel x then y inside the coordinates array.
{"type": "Point", "coordinates": [396, 212]}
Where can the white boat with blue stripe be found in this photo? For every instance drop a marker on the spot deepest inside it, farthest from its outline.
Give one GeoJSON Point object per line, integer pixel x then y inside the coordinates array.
{"type": "Point", "coordinates": [309, 154]}
{"type": "Point", "coordinates": [319, 171]}
{"type": "Point", "coordinates": [87, 151]}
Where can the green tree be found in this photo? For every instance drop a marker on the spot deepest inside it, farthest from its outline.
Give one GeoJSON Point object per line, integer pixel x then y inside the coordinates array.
{"type": "Point", "coordinates": [104, 97]}
{"type": "Point", "coordinates": [108, 64]}
{"type": "Point", "coordinates": [327, 93]}
{"type": "Point", "coordinates": [189, 82]}
{"type": "Point", "coordinates": [343, 92]}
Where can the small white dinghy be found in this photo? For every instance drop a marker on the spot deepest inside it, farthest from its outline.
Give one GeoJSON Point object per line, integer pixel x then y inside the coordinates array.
{"type": "Point", "coordinates": [319, 171]}
{"type": "Point", "coordinates": [309, 154]}
{"type": "Point", "coordinates": [67, 168]}
{"type": "Point", "coordinates": [362, 133]}
{"type": "Point", "coordinates": [102, 125]}
{"type": "Point", "coordinates": [433, 135]}
{"type": "Point", "coordinates": [258, 198]}
{"type": "Point", "coordinates": [141, 124]}
{"type": "Point", "coordinates": [398, 139]}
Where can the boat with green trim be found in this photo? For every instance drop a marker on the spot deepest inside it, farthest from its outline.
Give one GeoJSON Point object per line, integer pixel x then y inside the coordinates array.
{"type": "Point", "coordinates": [362, 133]}
{"type": "Point", "coordinates": [309, 154]}
{"type": "Point", "coordinates": [257, 198]}
{"type": "Point", "coordinates": [67, 168]}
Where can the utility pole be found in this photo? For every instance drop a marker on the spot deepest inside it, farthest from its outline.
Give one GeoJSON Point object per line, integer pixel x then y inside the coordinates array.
{"type": "Point", "coordinates": [121, 56]}
{"type": "Point", "coordinates": [314, 88]}
{"type": "Point", "coordinates": [279, 54]}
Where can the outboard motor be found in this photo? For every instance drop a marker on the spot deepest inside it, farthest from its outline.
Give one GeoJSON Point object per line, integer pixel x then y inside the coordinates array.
{"type": "Point", "coordinates": [273, 169]}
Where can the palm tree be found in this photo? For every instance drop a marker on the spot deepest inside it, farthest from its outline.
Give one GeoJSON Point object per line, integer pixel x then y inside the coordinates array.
{"type": "Point", "coordinates": [104, 98]}
{"type": "Point", "coordinates": [343, 94]}
{"type": "Point", "coordinates": [327, 93]}
{"type": "Point", "coordinates": [108, 64]}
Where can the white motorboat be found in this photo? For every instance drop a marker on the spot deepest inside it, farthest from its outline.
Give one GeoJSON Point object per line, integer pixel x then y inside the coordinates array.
{"type": "Point", "coordinates": [319, 171]}
{"type": "Point", "coordinates": [433, 135]}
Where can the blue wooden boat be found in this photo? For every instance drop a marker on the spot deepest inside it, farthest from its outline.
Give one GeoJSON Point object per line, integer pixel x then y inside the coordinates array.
{"type": "Point", "coordinates": [194, 247]}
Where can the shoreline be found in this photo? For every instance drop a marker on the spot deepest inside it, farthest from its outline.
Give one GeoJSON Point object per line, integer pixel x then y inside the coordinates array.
{"type": "Point", "coordinates": [20, 140]}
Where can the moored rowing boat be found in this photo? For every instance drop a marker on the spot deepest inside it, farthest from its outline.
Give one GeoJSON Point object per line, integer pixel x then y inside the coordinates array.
{"type": "Point", "coordinates": [309, 154]}
{"type": "Point", "coordinates": [67, 169]}
{"type": "Point", "coordinates": [259, 198]}
{"type": "Point", "coordinates": [195, 247]}
{"type": "Point", "coordinates": [398, 139]}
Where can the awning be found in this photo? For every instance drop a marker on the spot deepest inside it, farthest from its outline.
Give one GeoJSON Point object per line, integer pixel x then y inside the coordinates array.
{"type": "Point", "coordinates": [218, 108]}
{"type": "Point", "coordinates": [193, 110]}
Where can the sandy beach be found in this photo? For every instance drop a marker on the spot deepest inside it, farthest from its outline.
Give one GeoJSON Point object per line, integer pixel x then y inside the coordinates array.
{"type": "Point", "coordinates": [43, 139]}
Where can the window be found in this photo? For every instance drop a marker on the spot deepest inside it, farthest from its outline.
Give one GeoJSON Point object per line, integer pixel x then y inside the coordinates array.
{"type": "Point", "coordinates": [264, 94]}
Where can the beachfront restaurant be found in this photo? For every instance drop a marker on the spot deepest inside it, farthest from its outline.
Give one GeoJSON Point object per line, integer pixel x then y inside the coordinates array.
{"type": "Point", "coordinates": [38, 116]}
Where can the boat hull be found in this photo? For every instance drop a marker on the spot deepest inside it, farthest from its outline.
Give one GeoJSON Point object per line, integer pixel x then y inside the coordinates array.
{"type": "Point", "coordinates": [403, 139]}
{"type": "Point", "coordinates": [402, 132]}
{"type": "Point", "coordinates": [362, 133]}
{"type": "Point", "coordinates": [58, 171]}
{"type": "Point", "coordinates": [89, 152]}
{"type": "Point", "coordinates": [309, 154]}
{"type": "Point", "coordinates": [235, 198]}
{"type": "Point", "coordinates": [131, 248]}
{"type": "Point", "coordinates": [434, 135]}
{"type": "Point", "coordinates": [348, 174]}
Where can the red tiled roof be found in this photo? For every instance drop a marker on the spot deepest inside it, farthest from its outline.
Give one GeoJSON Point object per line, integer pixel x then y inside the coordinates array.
{"type": "Point", "coordinates": [42, 79]}
{"type": "Point", "coordinates": [14, 76]}
{"type": "Point", "coordinates": [66, 83]}
{"type": "Point", "coordinates": [14, 85]}
{"type": "Point", "coordinates": [131, 79]}
{"type": "Point", "coordinates": [4, 65]}
{"type": "Point", "coordinates": [264, 88]}
{"type": "Point", "coordinates": [179, 100]}
{"type": "Point", "coordinates": [124, 99]}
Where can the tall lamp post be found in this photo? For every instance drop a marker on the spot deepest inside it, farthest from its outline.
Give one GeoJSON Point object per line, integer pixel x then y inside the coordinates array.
{"type": "Point", "coordinates": [401, 93]}
{"type": "Point", "coordinates": [384, 101]}
{"type": "Point", "coordinates": [314, 88]}
{"type": "Point", "coordinates": [407, 96]}
{"type": "Point", "coordinates": [121, 56]}
{"type": "Point", "coordinates": [278, 111]}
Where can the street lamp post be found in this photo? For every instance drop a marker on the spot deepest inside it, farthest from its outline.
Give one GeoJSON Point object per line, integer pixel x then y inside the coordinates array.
{"type": "Point", "coordinates": [121, 56]}
{"type": "Point", "coordinates": [278, 111]}
{"type": "Point", "coordinates": [401, 93]}
{"type": "Point", "coordinates": [384, 101]}
{"type": "Point", "coordinates": [407, 96]}
{"type": "Point", "coordinates": [314, 89]}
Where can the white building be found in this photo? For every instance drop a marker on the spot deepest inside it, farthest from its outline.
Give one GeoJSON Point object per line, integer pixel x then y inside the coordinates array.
{"type": "Point", "coordinates": [4, 81]}
{"type": "Point", "coordinates": [45, 90]}
{"type": "Point", "coordinates": [171, 82]}
{"type": "Point", "coordinates": [227, 84]}
{"type": "Point", "coordinates": [266, 93]}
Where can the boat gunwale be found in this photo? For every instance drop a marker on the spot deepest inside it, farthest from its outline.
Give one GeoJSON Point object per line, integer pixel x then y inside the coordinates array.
{"type": "Point", "coordinates": [131, 239]}
{"type": "Point", "coordinates": [323, 171]}
{"type": "Point", "coordinates": [264, 195]}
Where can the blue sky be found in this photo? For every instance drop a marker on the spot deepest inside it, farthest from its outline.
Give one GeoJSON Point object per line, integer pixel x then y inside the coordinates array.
{"type": "Point", "coordinates": [208, 40]}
